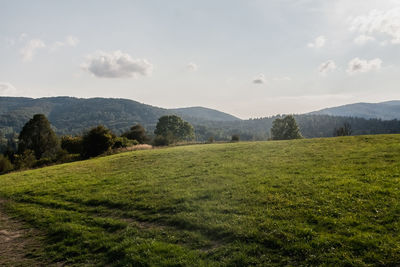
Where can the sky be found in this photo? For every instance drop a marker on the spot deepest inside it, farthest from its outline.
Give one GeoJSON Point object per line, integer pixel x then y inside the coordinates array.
{"type": "Point", "coordinates": [252, 58]}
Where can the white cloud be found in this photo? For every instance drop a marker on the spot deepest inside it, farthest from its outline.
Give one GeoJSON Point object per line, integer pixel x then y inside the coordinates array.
{"type": "Point", "coordinates": [260, 79]}
{"type": "Point", "coordinates": [7, 89]}
{"type": "Point", "coordinates": [70, 40]}
{"type": "Point", "coordinates": [29, 50]}
{"type": "Point", "coordinates": [22, 36]}
{"type": "Point", "coordinates": [116, 65]}
{"type": "Point", "coordinates": [318, 42]}
{"type": "Point", "coordinates": [192, 66]}
{"type": "Point", "coordinates": [283, 78]}
{"type": "Point", "coordinates": [327, 67]}
{"type": "Point", "coordinates": [363, 39]}
{"type": "Point", "coordinates": [379, 22]}
{"type": "Point", "coordinates": [357, 65]}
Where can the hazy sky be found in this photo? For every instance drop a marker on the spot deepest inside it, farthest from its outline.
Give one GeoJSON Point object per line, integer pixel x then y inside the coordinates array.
{"type": "Point", "coordinates": [249, 58]}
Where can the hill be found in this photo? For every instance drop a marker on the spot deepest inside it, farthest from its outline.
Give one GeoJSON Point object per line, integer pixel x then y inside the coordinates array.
{"type": "Point", "coordinates": [204, 114]}
{"type": "Point", "coordinates": [71, 115]}
{"type": "Point", "coordinates": [305, 202]}
{"type": "Point", "coordinates": [389, 110]}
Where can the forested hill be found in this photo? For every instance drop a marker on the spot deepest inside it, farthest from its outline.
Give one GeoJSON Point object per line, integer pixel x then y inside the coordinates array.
{"type": "Point", "coordinates": [385, 110]}
{"type": "Point", "coordinates": [204, 114]}
{"type": "Point", "coordinates": [73, 115]}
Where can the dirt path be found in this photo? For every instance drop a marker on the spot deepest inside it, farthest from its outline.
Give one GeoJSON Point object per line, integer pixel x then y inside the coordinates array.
{"type": "Point", "coordinates": [19, 244]}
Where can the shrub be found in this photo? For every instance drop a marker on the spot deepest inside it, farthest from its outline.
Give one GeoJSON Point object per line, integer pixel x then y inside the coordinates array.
{"type": "Point", "coordinates": [138, 133]}
{"type": "Point", "coordinates": [25, 160]}
{"type": "Point", "coordinates": [210, 140]}
{"type": "Point", "coordinates": [5, 164]}
{"type": "Point", "coordinates": [235, 138]}
{"type": "Point", "coordinates": [72, 144]}
{"type": "Point", "coordinates": [345, 130]}
{"type": "Point", "coordinates": [160, 140]}
{"type": "Point", "coordinates": [97, 141]}
{"type": "Point", "coordinates": [121, 142]}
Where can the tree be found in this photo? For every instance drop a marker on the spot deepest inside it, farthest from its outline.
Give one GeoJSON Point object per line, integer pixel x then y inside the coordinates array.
{"type": "Point", "coordinates": [38, 136]}
{"type": "Point", "coordinates": [345, 130]}
{"type": "Point", "coordinates": [285, 129]}
{"type": "Point", "coordinates": [174, 128]}
{"type": "Point", "coordinates": [97, 141]}
{"type": "Point", "coordinates": [138, 133]}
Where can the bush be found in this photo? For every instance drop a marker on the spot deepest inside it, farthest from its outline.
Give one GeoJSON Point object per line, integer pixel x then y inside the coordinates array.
{"type": "Point", "coordinates": [345, 130]}
{"type": "Point", "coordinates": [72, 145]}
{"type": "Point", "coordinates": [43, 162]}
{"type": "Point", "coordinates": [211, 140]}
{"type": "Point", "coordinates": [25, 160]}
{"type": "Point", "coordinates": [5, 164]}
{"type": "Point", "coordinates": [97, 141]}
{"type": "Point", "coordinates": [160, 140]}
{"type": "Point", "coordinates": [235, 138]}
{"type": "Point", "coordinates": [138, 133]}
{"type": "Point", "coordinates": [121, 142]}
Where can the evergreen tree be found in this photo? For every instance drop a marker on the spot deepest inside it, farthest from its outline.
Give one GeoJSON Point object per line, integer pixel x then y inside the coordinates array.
{"type": "Point", "coordinates": [38, 136]}
{"type": "Point", "coordinates": [285, 129]}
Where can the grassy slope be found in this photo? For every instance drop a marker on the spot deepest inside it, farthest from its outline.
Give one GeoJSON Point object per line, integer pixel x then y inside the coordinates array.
{"type": "Point", "coordinates": [286, 202]}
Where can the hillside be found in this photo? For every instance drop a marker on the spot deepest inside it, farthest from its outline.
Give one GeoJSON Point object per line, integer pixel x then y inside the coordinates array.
{"type": "Point", "coordinates": [71, 115]}
{"type": "Point", "coordinates": [305, 202]}
{"type": "Point", "coordinates": [389, 110]}
{"type": "Point", "coordinates": [204, 114]}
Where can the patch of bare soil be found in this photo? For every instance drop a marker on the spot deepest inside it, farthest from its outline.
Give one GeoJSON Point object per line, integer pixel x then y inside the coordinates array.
{"type": "Point", "coordinates": [19, 244]}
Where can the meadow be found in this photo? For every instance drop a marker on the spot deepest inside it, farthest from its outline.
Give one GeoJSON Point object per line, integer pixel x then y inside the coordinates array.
{"type": "Point", "coordinates": [332, 201]}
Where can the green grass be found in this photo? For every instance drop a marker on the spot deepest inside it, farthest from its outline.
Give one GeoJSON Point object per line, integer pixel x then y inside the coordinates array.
{"type": "Point", "coordinates": [305, 202]}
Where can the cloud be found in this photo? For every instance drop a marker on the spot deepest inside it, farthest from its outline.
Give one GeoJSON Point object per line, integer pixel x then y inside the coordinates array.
{"type": "Point", "coordinates": [318, 42]}
{"type": "Point", "coordinates": [116, 65]}
{"type": "Point", "coordinates": [379, 22]}
{"type": "Point", "coordinates": [282, 78]}
{"type": "Point", "coordinates": [357, 65]}
{"type": "Point", "coordinates": [7, 89]}
{"type": "Point", "coordinates": [192, 66]}
{"type": "Point", "coordinates": [70, 41]}
{"type": "Point", "coordinates": [363, 39]}
{"type": "Point", "coordinates": [260, 79]}
{"type": "Point", "coordinates": [29, 50]}
{"type": "Point", "coordinates": [327, 67]}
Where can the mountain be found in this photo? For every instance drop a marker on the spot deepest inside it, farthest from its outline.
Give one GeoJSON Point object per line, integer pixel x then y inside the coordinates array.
{"type": "Point", "coordinates": [204, 114]}
{"type": "Point", "coordinates": [70, 115]}
{"type": "Point", "coordinates": [389, 110]}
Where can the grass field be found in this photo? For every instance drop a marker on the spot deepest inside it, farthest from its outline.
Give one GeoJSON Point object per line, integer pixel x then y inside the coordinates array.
{"type": "Point", "coordinates": [305, 202]}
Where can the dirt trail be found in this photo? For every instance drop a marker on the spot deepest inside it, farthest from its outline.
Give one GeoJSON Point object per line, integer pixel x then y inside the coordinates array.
{"type": "Point", "coordinates": [19, 244]}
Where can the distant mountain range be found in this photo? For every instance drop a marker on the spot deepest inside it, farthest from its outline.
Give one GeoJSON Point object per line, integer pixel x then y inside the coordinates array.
{"type": "Point", "coordinates": [70, 116]}
{"type": "Point", "coordinates": [389, 110]}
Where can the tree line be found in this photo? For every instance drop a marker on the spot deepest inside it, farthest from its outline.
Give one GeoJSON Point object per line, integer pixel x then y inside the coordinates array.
{"type": "Point", "coordinates": [38, 145]}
